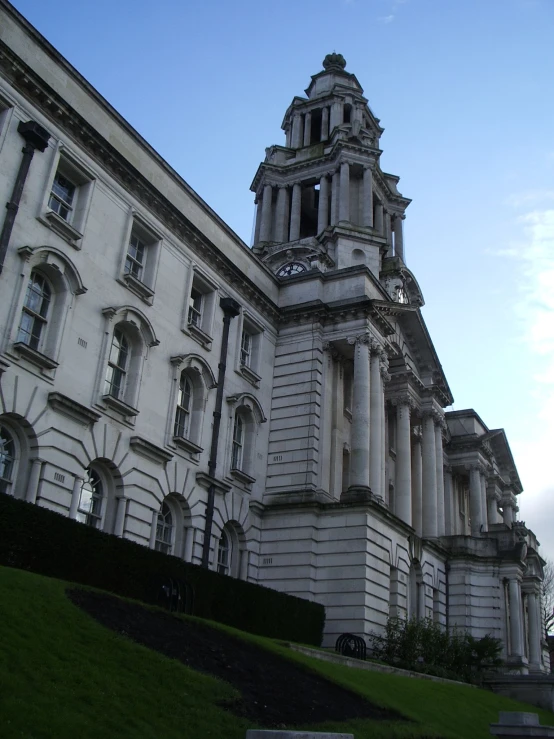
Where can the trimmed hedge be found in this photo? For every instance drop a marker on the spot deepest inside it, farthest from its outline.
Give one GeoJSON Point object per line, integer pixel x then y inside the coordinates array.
{"type": "Point", "coordinates": [36, 539]}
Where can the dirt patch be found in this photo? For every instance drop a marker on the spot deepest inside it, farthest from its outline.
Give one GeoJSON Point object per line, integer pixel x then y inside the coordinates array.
{"type": "Point", "coordinates": [275, 692]}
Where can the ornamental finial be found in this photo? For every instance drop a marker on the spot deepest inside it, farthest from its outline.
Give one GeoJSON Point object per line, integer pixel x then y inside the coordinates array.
{"type": "Point", "coordinates": [334, 63]}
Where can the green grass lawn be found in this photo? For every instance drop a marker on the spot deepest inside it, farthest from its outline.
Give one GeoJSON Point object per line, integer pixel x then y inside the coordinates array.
{"type": "Point", "coordinates": [64, 675]}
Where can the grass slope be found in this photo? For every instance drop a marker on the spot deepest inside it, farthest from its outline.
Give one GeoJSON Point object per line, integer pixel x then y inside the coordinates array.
{"type": "Point", "coordinates": [63, 675]}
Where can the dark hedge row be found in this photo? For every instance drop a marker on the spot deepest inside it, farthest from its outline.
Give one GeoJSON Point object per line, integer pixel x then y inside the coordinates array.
{"type": "Point", "coordinates": [33, 538]}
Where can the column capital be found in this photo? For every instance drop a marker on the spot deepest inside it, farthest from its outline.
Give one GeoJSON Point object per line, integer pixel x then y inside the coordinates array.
{"type": "Point", "coordinates": [475, 467]}
{"type": "Point", "coordinates": [365, 338]}
{"type": "Point", "coordinates": [404, 400]}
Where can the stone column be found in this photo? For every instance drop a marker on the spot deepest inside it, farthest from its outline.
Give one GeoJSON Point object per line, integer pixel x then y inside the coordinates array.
{"type": "Point", "coordinates": [307, 128]}
{"type": "Point", "coordinates": [378, 223]}
{"type": "Point", "coordinates": [34, 480]}
{"type": "Point", "coordinates": [288, 135]}
{"type": "Point", "coordinates": [323, 209]}
{"type": "Point", "coordinates": [535, 630]}
{"type": "Point", "coordinates": [265, 228]}
{"type": "Point", "coordinates": [398, 237]}
{"type": "Point", "coordinates": [449, 514]}
{"type": "Point", "coordinates": [297, 133]}
{"type": "Point", "coordinates": [475, 512]}
{"type": "Point", "coordinates": [375, 409]}
{"type": "Point", "coordinates": [439, 460]}
{"type": "Point", "coordinates": [385, 377]}
{"type": "Point", "coordinates": [367, 213]}
{"type": "Point", "coordinates": [483, 484]}
{"type": "Point", "coordinates": [258, 221]}
{"type": "Point", "coordinates": [516, 618]}
{"type": "Point", "coordinates": [492, 507]}
{"type": "Point", "coordinates": [75, 497]}
{"type": "Point", "coordinates": [120, 516]}
{"type": "Point", "coordinates": [295, 212]}
{"type": "Point", "coordinates": [153, 529]}
{"type": "Point", "coordinates": [344, 207]}
{"type": "Point", "coordinates": [189, 543]}
{"type": "Point", "coordinates": [403, 488]}
{"type": "Point", "coordinates": [508, 502]}
{"type": "Point", "coordinates": [417, 487]}
{"type": "Point", "coordinates": [280, 222]}
{"type": "Point", "coordinates": [243, 564]}
{"type": "Point", "coordinates": [324, 123]}
{"type": "Point", "coordinates": [359, 457]}
{"type": "Point", "coordinates": [335, 187]}
{"type": "Point", "coordinates": [429, 477]}
{"type": "Point", "coordinates": [388, 229]}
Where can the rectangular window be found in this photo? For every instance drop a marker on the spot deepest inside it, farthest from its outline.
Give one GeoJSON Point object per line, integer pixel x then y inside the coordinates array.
{"type": "Point", "coordinates": [199, 308]}
{"type": "Point", "coordinates": [68, 199]}
{"type": "Point", "coordinates": [249, 350]}
{"type": "Point", "coordinates": [136, 257]}
{"type": "Point", "coordinates": [142, 250]}
{"type": "Point", "coordinates": [238, 442]}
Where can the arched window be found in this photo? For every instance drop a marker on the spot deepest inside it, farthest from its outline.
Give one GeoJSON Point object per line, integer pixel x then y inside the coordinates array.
{"type": "Point", "coordinates": [118, 361]}
{"type": "Point", "coordinates": [34, 316]}
{"type": "Point", "coordinates": [238, 443]}
{"type": "Point", "coordinates": [165, 530]}
{"type": "Point", "coordinates": [184, 407]}
{"type": "Point", "coordinates": [91, 500]}
{"type": "Point", "coordinates": [7, 460]}
{"type": "Point", "coordinates": [224, 554]}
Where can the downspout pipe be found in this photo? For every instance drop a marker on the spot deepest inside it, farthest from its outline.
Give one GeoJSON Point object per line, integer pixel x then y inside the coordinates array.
{"type": "Point", "coordinates": [230, 309]}
{"type": "Point", "coordinates": [36, 137]}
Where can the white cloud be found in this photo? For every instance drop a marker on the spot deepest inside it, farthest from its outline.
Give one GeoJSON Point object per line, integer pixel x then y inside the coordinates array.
{"type": "Point", "coordinates": [386, 18]}
{"type": "Point", "coordinates": [534, 309]}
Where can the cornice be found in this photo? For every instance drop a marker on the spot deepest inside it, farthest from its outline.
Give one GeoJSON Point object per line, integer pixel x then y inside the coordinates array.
{"type": "Point", "coordinates": [326, 313]}
{"type": "Point", "coordinates": [52, 105]}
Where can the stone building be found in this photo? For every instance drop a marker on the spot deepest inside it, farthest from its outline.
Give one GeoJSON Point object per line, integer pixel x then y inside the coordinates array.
{"type": "Point", "coordinates": [274, 412]}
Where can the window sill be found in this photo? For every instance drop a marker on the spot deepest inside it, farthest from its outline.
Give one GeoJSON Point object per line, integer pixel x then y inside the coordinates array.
{"type": "Point", "coordinates": [71, 409]}
{"type": "Point", "coordinates": [348, 413]}
{"type": "Point", "coordinates": [121, 407]}
{"type": "Point", "coordinates": [187, 445]}
{"type": "Point", "coordinates": [242, 476]}
{"type": "Point", "coordinates": [138, 288]}
{"type": "Point", "coordinates": [198, 335]}
{"type": "Point", "coordinates": [249, 374]}
{"type": "Point", "coordinates": [34, 356]}
{"type": "Point", "coordinates": [62, 228]}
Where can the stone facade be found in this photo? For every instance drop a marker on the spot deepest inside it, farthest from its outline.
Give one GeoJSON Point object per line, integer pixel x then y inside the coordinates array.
{"type": "Point", "coordinates": [275, 412]}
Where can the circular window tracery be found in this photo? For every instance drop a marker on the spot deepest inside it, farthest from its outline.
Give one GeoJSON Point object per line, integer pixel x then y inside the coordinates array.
{"type": "Point", "coordinates": [291, 268]}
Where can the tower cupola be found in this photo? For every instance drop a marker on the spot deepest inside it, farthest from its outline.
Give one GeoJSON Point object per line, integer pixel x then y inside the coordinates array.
{"type": "Point", "coordinates": [323, 201]}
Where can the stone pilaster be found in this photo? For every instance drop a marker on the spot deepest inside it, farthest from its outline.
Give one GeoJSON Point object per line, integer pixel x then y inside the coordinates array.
{"type": "Point", "coordinates": [75, 497]}
{"type": "Point", "coordinates": [120, 512]}
{"type": "Point", "coordinates": [449, 512]}
{"type": "Point", "coordinates": [379, 220]}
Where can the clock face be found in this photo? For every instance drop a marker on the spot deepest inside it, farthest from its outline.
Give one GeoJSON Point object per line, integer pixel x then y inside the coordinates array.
{"type": "Point", "coordinates": [292, 268]}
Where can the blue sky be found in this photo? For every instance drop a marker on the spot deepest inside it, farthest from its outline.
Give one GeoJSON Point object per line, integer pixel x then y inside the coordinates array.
{"type": "Point", "coordinates": [464, 90]}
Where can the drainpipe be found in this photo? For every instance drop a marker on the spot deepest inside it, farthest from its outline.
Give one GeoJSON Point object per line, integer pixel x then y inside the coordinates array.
{"type": "Point", "coordinates": [230, 309]}
{"type": "Point", "coordinates": [36, 137]}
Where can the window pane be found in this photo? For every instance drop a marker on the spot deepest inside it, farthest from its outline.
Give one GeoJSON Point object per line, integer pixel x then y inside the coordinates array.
{"type": "Point", "coordinates": [223, 554]}
{"type": "Point", "coordinates": [91, 500]}
{"type": "Point", "coordinates": [7, 456]}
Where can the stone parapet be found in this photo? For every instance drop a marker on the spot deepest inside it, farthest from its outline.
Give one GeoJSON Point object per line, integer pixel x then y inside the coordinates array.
{"type": "Point", "coordinates": [538, 690]}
